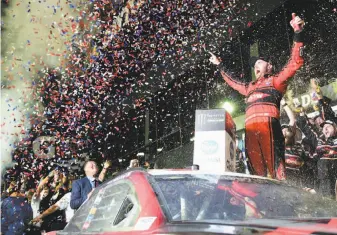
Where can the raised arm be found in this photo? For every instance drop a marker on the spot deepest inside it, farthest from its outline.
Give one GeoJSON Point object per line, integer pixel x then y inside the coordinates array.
{"type": "Point", "coordinates": [296, 59]}
{"type": "Point", "coordinates": [289, 112]}
{"type": "Point", "coordinates": [304, 126]}
{"type": "Point", "coordinates": [326, 110]}
{"type": "Point", "coordinates": [47, 212]}
{"type": "Point", "coordinates": [323, 102]}
{"type": "Point", "coordinates": [41, 185]}
{"type": "Point", "coordinates": [102, 174]}
{"type": "Point", "coordinates": [242, 88]}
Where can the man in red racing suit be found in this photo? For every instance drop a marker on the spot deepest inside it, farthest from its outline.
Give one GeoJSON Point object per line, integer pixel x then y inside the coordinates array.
{"type": "Point", "coordinates": [264, 139]}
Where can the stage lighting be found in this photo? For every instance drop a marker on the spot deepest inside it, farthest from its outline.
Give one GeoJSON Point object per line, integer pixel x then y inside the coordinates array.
{"type": "Point", "coordinates": [228, 106]}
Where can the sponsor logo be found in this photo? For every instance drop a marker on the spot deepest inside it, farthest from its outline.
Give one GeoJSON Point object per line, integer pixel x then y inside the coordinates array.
{"type": "Point", "coordinates": [209, 147]}
{"type": "Point", "coordinates": [202, 119]}
{"type": "Point", "coordinates": [256, 96]}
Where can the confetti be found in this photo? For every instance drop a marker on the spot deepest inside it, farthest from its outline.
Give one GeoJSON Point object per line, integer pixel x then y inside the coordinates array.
{"type": "Point", "coordinates": [88, 73]}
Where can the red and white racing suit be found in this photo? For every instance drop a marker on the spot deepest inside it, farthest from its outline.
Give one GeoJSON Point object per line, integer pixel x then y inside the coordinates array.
{"type": "Point", "coordinates": [264, 139]}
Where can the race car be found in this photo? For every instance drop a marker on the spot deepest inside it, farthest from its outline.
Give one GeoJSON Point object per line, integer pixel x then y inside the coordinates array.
{"type": "Point", "coordinates": [197, 202]}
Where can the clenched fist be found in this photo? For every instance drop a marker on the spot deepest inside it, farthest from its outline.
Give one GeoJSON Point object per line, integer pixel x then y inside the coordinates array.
{"type": "Point", "coordinates": [297, 23]}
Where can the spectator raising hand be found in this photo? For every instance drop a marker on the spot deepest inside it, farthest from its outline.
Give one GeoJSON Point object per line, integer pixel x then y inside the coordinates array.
{"type": "Point", "coordinates": [322, 104]}
{"type": "Point", "coordinates": [103, 172]}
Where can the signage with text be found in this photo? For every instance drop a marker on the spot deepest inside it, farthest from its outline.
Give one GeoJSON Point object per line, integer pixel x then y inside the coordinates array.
{"type": "Point", "coordinates": [214, 142]}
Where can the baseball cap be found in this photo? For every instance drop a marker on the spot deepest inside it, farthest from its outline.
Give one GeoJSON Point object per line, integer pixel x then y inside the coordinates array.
{"type": "Point", "coordinates": [317, 116]}
{"type": "Point", "coordinates": [284, 126]}
{"type": "Point", "coordinates": [328, 122]}
{"type": "Point", "coordinates": [253, 60]}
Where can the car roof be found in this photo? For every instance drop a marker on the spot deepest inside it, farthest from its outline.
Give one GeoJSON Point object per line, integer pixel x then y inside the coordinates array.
{"type": "Point", "coordinates": [167, 172]}
{"type": "Point", "coordinates": [157, 172]}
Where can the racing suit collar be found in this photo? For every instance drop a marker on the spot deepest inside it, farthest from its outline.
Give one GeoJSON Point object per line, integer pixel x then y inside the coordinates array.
{"type": "Point", "coordinates": [262, 78]}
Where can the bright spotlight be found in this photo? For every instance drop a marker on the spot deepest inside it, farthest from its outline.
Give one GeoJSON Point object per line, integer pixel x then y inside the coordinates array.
{"type": "Point", "coordinates": [228, 106]}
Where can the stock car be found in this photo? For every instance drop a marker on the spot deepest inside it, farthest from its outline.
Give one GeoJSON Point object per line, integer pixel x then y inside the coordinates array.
{"type": "Point", "coordinates": [196, 202]}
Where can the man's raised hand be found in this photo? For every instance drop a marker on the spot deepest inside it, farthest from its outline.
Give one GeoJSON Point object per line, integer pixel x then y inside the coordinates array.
{"type": "Point", "coordinates": [214, 59]}
{"type": "Point", "coordinates": [297, 23]}
{"type": "Point", "coordinates": [107, 164]}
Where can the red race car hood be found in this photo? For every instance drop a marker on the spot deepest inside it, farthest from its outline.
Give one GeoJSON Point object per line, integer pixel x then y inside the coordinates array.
{"type": "Point", "coordinates": [258, 226]}
{"type": "Point", "coordinates": [287, 226]}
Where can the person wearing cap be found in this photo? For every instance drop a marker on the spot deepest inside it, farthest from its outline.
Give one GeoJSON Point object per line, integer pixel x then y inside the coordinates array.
{"type": "Point", "coordinates": [316, 123]}
{"type": "Point", "coordinates": [325, 153]}
{"type": "Point", "coordinates": [326, 144]}
{"type": "Point", "coordinates": [329, 130]}
{"type": "Point", "coordinates": [322, 104]}
{"type": "Point", "coordinates": [264, 144]}
{"type": "Point", "coordinates": [134, 163]}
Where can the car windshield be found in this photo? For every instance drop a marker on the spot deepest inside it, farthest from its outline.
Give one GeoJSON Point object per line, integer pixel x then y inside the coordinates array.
{"type": "Point", "coordinates": [223, 198]}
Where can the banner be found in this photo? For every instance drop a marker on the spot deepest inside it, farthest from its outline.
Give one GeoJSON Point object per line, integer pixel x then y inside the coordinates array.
{"type": "Point", "coordinates": [214, 141]}
{"type": "Point", "coordinates": [305, 100]}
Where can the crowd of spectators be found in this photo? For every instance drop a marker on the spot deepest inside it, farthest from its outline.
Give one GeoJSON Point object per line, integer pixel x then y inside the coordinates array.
{"type": "Point", "coordinates": [311, 146]}
{"type": "Point", "coordinates": [29, 209]}
{"type": "Point", "coordinates": [49, 205]}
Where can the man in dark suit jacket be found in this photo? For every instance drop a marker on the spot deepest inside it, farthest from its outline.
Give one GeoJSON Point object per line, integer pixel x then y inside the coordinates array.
{"type": "Point", "coordinates": [83, 188]}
